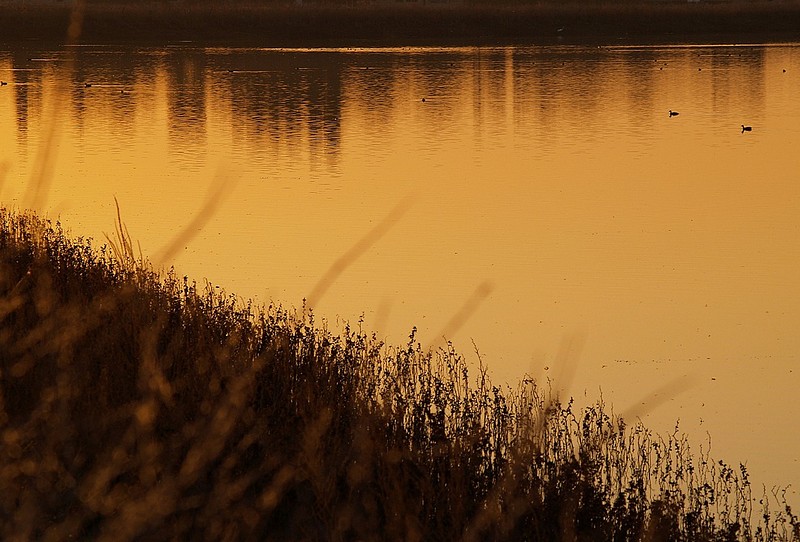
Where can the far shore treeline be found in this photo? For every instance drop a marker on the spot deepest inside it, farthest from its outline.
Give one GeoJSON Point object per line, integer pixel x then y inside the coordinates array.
{"type": "Point", "coordinates": [423, 22]}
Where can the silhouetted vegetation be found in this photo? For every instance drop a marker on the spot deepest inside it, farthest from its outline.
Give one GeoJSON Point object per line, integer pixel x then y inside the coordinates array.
{"type": "Point", "coordinates": [135, 405]}
{"type": "Point", "coordinates": [410, 23]}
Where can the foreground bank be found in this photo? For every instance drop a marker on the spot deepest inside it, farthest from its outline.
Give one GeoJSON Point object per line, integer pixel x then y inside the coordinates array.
{"type": "Point", "coordinates": [270, 24]}
{"type": "Point", "coordinates": [138, 406]}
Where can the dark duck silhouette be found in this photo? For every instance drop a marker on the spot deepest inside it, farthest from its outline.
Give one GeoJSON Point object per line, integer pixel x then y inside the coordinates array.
{"type": "Point", "coordinates": [746, 128]}
{"type": "Point", "coordinates": [673, 113]}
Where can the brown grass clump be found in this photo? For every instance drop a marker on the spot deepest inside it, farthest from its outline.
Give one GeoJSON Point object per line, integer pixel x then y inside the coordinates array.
{"type": "Point", "coordinates": [136, 406]}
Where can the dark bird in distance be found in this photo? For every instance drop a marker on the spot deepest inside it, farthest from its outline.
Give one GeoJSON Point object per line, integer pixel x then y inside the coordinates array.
{"type": "Point", "coordinates": [673, 113]}
{"type": "Point", "coordinates": [87, 85]}
{"type": "Point", "coordinates": [746, 128]}
{"type": "Point", "coordinates": [3, 83]}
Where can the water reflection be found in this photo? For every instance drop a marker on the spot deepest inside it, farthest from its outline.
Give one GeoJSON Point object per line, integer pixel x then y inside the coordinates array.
{"type": "Point", "coordinates": [186, 73]}
{"type": "Point", "coordinates": [553, 174]}
{"type": "Point", "coordinates": [292, 101]}
{"type": "Point", "coordinates": [26, 88]}
{"type": "Point", "coordinates": [284, 102]}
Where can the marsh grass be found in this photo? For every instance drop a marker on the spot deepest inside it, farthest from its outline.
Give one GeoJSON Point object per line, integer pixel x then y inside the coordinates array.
{"type": "Point", "coordinates": [140, 406]}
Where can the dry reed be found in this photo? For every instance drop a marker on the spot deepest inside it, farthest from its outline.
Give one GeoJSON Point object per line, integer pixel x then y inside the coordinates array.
{"type": "Point", "coordinates": [139, 406]}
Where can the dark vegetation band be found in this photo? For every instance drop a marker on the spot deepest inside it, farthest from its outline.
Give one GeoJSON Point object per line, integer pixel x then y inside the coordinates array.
{"type": "Point", "coordinates": [404, 23]}
{"type": "Point", "coordinates": [136, 405]}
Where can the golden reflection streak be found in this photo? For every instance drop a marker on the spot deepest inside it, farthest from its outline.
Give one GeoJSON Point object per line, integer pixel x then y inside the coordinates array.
{"type": "Point", "coordinates": [220, 188]}
{"type": "Point", "coordinates": [42, 175]}
{"type": "Point", "coordinates": [356, 251]}
{"type": "Point", "coordinates": [4, 167]}
{"type": "Point", "coordinates": [75, 21]}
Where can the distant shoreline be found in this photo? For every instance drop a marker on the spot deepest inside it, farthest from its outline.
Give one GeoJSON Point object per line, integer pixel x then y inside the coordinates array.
{"type": "Point", "coordinates": [396, 25]}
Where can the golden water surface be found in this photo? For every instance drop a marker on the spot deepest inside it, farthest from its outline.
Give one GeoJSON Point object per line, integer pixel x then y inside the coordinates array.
{"type": "Point", "coordinates": [512, 200]}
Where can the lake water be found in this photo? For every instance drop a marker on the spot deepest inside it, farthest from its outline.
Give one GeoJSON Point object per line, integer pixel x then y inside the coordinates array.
{"type": "Point", "coordinates": [516, 200]}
